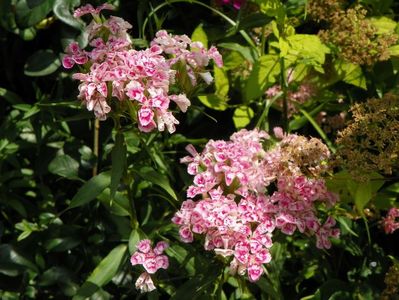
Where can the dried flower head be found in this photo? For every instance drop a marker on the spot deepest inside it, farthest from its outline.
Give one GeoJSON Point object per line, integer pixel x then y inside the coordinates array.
{"type": "Point", "coordinates": [370, 143]}
{"type": "Point", "coordinates": [322, 10]}
{"type": "Point", "coordinates": [354, 36]}
{"type": "Point", "coordinates": [392, 283]}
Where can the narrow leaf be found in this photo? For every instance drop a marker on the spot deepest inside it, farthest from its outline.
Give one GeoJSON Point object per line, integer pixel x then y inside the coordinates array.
{"type": "Point", "coordinates": [103, 273]}
{"type": "Point", "coordinates": [91, 189]}
{"type": "Point", "coordinates": [158, 179]}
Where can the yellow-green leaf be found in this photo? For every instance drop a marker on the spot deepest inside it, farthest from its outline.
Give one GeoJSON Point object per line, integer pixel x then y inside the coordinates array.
{"type": "Point", "coordinates": [213, 101]}
{"type": "Point", "coordinates": [199, 35]}
{"type": "Point", "coordinates": [242, 116]}
{"type": "Point", "coordinates": [221, 82]}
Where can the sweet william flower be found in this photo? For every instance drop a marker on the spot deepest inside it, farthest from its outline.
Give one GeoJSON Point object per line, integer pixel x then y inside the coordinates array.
{"type": "Point", "coordinates": [391, 221]}
{"type": "Point", "coordinates": [152, 259]}
{"type": "Point", "coordinates": [229, 202]}
{"type": "Point", "coordinates": [144, 283]}
{"type": "Point", "coordinates": [116, 71]}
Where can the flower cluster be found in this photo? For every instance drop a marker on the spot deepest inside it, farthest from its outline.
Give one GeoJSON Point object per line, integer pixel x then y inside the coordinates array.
{"type": "Point", "coordinates": [355, 37]}
{"type": "Point", "coordinates": [392, 283]}
{"type": "Point", "coordinates": [116, 76]}
{"type": "Point", "coordinates": [391, 221]}
{"type": "Point", "coordinates": [235, 212]}
{"type": "Point", "coordinates": [370, 142]}
{"type": "Point", "coordinates": [151, 259]}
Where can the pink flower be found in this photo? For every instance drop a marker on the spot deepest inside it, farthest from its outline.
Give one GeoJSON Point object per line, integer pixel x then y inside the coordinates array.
{"type": "Point", "coordinates": [74, 55]}
{"type": "Point", "coordinates": [144, 246]}
{"type": "Point", "coordinates": [254, 272]}
{"type": "Point", "coordinates": [144, 283]}
{"type": "Point", "coordinates": [391, 222]}
{"type": "Point", "coordinates": [151, 259]}
{"type": "Point", "coordinates": [182, 102]}
{"type": "Point", "coordinates": [114, 69]}
{"type": "Point", "coordinates": [233, 210]}
{"type": "Point", "coordinates": [89, 9]}
{"type": "Point", "coordinates": [146, 116]}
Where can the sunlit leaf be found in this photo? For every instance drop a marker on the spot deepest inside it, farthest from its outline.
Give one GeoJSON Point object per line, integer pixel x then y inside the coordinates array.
{"type": "Point", "coordinates": [199, 35]}
{"type": "Point", "coordinates": [263, 74]}
{"type": "Point", "coordinates": [242, 116]}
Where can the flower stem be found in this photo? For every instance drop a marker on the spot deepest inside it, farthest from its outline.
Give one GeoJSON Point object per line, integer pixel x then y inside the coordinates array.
{"type": "Point", "coordinates": [96, 144]}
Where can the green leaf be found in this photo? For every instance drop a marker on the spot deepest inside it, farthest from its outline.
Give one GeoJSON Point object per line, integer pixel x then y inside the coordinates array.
{"type": "Point", "coordinates": [300, 121]}
{"type": "Point", "coordinates": [346, 224]}
{"type": "Point", "coordinates": [103, 273]}
{"type": "Point", "coordinates": [158, 179]}
{"type": "Point", "coordinates": [359, 193]}
{"type": "Point", "coordinates": [246, 52]}
{"type": "Point", "coordinates": [365, 191]}
{"type": "Point", "coordinates": [221, 82]}
{"type": "Point", "coordinates": [242, 116]}
{"type": "Point", "coordinates": [351, 73]}
{"type": "Point", "coordinates": [394, 50]}
{"type": "Point", "coordinates": [11, 97]}
{"type": "Point", "coordinates": [263, 74]}
{"type": "Point", "coordinates": [65, 166]}
{"type": "Point", "coordinates": [118, 156]}
{"type": "Point", "coordinates": [384, 25]}
{"type": "Point", "coordinates": [41, 63]}
{"type": "Point", "coordinates": [213, 101]}
{"type": "Point", "coordinates": [31, 12]}
{"type": "Point", "coordinates": [62, 10]}
{"type": "Point", "coordinates": [232, 60]}
{"type": "Point", "coordinates": [254, 20]}
{"type": "Point", "coordinates": [135, 236]}
{"type": "Point", "coordinates": [13, 263]}
{"type": "Point", "coordinates": [308, 48]}
{"type": "Point", "coordinates": [199, 35]}
{"type": "Point", "coordinates": [182, 256]}
{"type": "Point", "coordinates": [91, 189]}
{"type": "Point", "coordinates": [270, 7]}
{"type": "Point", "coordinates": [119, 205]}
{"type": "Point", "coordinates": [61, 244]}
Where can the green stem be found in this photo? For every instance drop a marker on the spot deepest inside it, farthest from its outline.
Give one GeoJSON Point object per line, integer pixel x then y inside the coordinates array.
{"type": "Point", "coordinates": [133, 212]}
{"type": "Point", "coordinates": [284, 88]}
{"type": "Point", "coordinates": [319, 130]}
{"type": "Point", "coordinates": [263, 41]}
{"type": "Point", "coordinates": [262, 119]}
{"type": "Point", "coordinates": [96, 144]}
{"type": "Point", "coordinates": [226, 18]}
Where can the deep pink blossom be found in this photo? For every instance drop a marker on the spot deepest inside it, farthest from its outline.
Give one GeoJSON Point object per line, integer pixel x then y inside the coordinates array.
{"type": "Point", "coordinates": [391, 221]}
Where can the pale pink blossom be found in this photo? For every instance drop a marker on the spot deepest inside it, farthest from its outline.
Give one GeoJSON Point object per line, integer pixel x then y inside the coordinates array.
{"type": "Point", "coordinates": [89, 9]}
{"type": "Point", "coordinates": [152, 259]}
{"type": "Point", "coordinates": [144, 283]}
{"type": "Point", "coordinates": [114, 70]}
{"type": "Point", "coordinates": [233, 208]}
